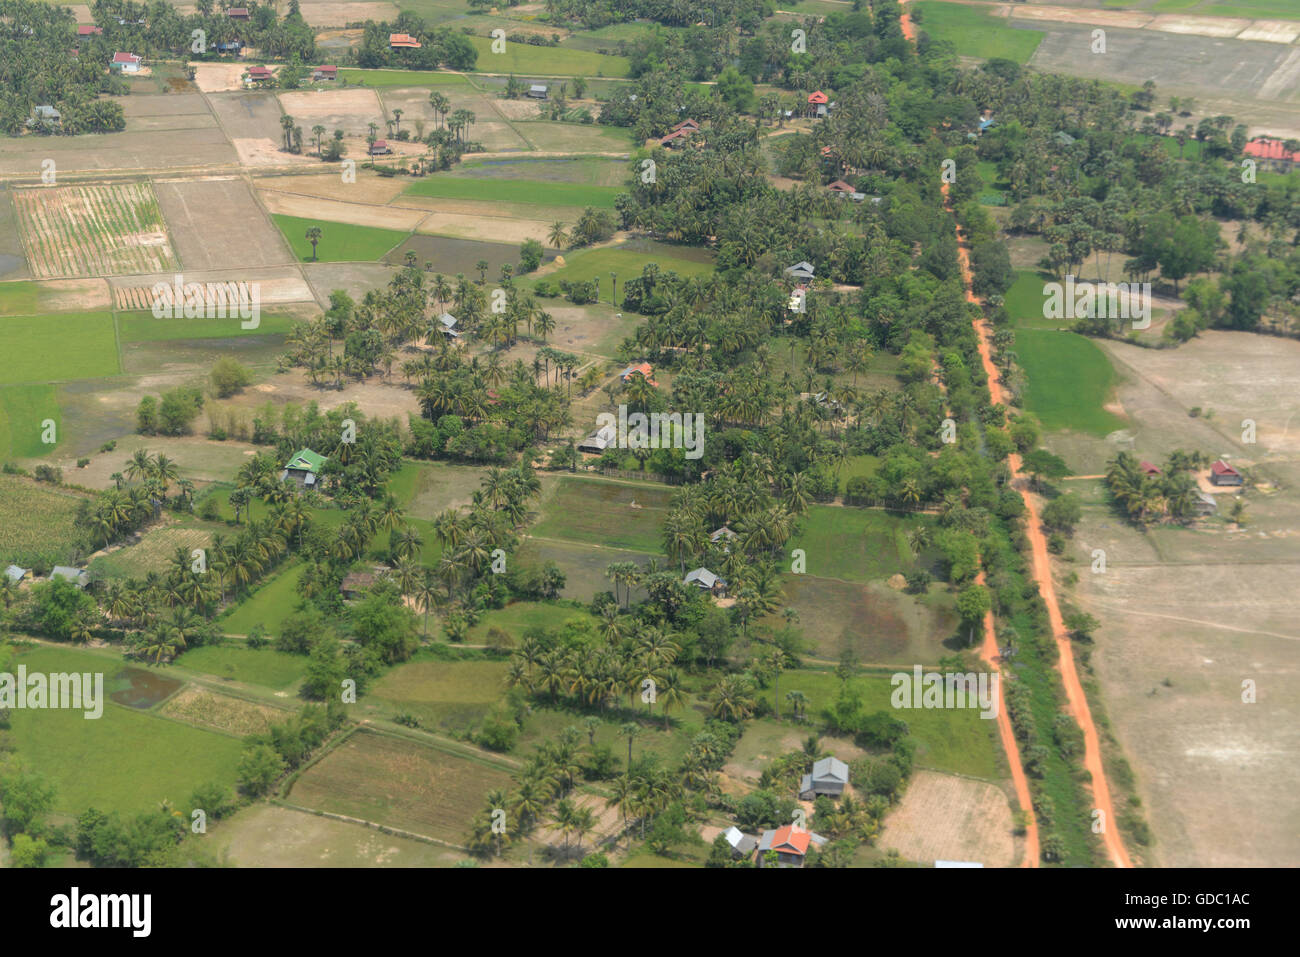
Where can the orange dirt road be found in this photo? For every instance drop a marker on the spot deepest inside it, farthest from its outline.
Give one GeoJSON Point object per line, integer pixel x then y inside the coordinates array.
{"type": "Point", "coordinates": [1042, 571]}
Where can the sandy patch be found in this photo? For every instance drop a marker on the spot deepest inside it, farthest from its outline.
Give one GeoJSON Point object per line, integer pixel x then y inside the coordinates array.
{"type": "Point", "coordinates": [943, 817]}
{"type": "Point", "coordinates": [1133, 20]}
{"type": "Point", "coordinates": [369, 188]}
{"type": "Point", "coordinates": [519, 109]}
{"type": "Point", "coordinates": [351, 110]}
{"type": "Point", "coordinates": [497, 230]}
{"type": "Point", "coordinates": [386, 217]}
{"type": "Point", "coordinates": [1221, 27]}
{"type": "Point", "coordinates": [1271, 31]}
{"type": "Point", "coordinates": [265, 152]}
{"type": "Point", "coordinates": [74, 295]}
{"type": "Point", "coordinates": [331, 13]}
{"type": "Point", "coordinates": [218, 77]}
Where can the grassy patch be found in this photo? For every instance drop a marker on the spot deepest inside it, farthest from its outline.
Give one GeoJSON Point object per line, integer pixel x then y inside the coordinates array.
{"type": "Point", "coordinates": [22, 410]}
{"type": "Point", "coordinates": [143, 327]}
{"type": "Point", "coordinates": [586, 264]}
{"type": "Point", "coordinates": [528, 60]}
{"type": "Point", "coordinates": [856, 544]}
{"type": "Point", "coordinates": [264, 666]}
{"type": "Point", "coordinates": [602, 513]}
{"type": "Point", "coordinates": [339, 242]}
{"type": "Point", "coordinates": [268, 605]}
{"type": "Point", "coordinates": [57, 347]}
{"type": "Point", "coordinates": [35, 519]}
{"type": "Point", "coordinates": [1069, 380]}
{"type": "Point", "coordinates": [519, 617]}
{"type": "Point", "coordinates": [450, 695]}
{"type": "Point", "coordinates": [127, 760]}
{"type": "Point", "coordinates": [974, 32]}
{"type": "Point", "coordinates": [400, 78]}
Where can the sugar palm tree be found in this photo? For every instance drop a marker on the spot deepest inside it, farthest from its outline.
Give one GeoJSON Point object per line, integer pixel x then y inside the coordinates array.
{"type": "Point", "coordinates": [313, 236]}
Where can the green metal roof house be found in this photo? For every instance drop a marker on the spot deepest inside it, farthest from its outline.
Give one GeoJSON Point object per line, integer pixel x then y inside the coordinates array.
{"type": "Point", "coordinates": [303, 468]}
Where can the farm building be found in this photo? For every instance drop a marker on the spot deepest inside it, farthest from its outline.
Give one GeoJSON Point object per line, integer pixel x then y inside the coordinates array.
{"type": "Point", "coordinates": [841, 188]}
{"type": "Point", "coordinates": [829, 776]}
{"type": "Point", "coordinates": [705, 580]}
{"type": "Point", "coordinates": [688, 125]}
{"type": "Point", "coordinates": [1221, 473]}
{"type": "Point", "coordinates": [742, 845]}
{"type": "Point", "coordinates": [539, 91]}
{"type": "Point", "coordinates": [800, 270]}
{"type": "Point", "coordinates": [1148, 469]}
{"type": "Point", "coordinates": [1203, 504]}
{"type": "Point", "coordinates": [15, 574]}
{"type": "Point", "coordinates": [126, 63]}
{"type": "Point", "coordinates": [237, 13]}
{"type": "Point", "coordinates": [1275, 151]}
{"type": "Point", "coordinates": [89, 31]}
{"type": "Point", "coordinates": [77, 576]}
{"type": "Point", "coordinates": [986, 122]}
{"type": "Point", "coordinates": [45, 116]}
{"type": "Point", "coordinates": [259, 74]}
{"type": "Point", "coordinates": [231, 46]}
{"type": "Point", "coordinates": [790, 843]}
{"type": "Point", "coordinates": [380, 148]}
{"type": "Point", "coordinates": [675, 139]}
{"type": "Point", "coordinates": [598, 441]}
{"type": "Point", "coordinates": [325, 73]}
{"type": "Point", "coordinates": [448, 323]}
{"type": "Point", "coordinates": [303, 469]}
{"type": "Point", "coordinates": [722, 534]}
{"type": "Point", "coordinates": [355, 584]}
{"type": "Point", "coordinates": [403, 41]}
{"type": "Point", "coordinates": [643, 369]}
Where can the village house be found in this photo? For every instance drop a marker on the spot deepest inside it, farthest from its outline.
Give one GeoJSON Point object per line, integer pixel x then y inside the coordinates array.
{"type": "Point", "coordinates": [705, 580]}
{"type": "Point", "coordinates": [829, 777]}
{"type": "Point", "coordinates": [259, 74]}
{"type": "Point", "coordinates": [448, 323]}
{"type": "Point", "coordinates": [356, 584]}
{"type": "Point", "coordinates": [77, 576]}
{"type": "Point", "coordinates": [237, 13]}
{"type": "Point", "coordinates": [230, 46]}
{"type": "Point", "coordinates": [1272, 151]}
{"type": "Point", "coordinates": [742, 845]}
{"type": "Point", "coordinates": [45, 116]}
{"type": "Point", "coordinates": [841, 188]}
{"type": "Point", "coordinates": [675, 139]}
{"type": "Point", "coordinates": [643, 369]}
{"type": "Point", "coordinates": [303, 469]}
{"type": "Point", "coordinates": [800, 270]}
{"type": "Point", "coordinates": [1148, 469]}
{"type": "Point", "coordinates": [790, 843]}
{"type": "Point", "coordinates": [539, 91]}
{"type": "Point", "coordinates": [598, 441]}
{"type": "Point", "coordinates": [403, 41]}
{"type": "Point", "coordinates": [15, 573]}
{"type": "Point", "coordinates": [819, 103]}
{"type": "Point", "coordinates": [325, 73]}
{"type": "Point", "coordinates": [1203, 503]}
{"type": "Point", "coordinates": [723, 534]}
{"type": "Point", "coordinates": [89, 31]}
{"type": "Point", "coordinates": [1221, 473]}
{"type": "Point", "coordinates": [687, 124]}
{"type": "Point", "coordinates": [126, 63]}
{"type": "Point", "coordinates": [380, 148]}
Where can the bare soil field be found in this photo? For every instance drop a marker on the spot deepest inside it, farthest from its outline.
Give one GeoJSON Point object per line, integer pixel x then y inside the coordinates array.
{"type": "Point", "coordinates": [335, 211]}
{"type": "Point", "coordinates": [13, 259]}
{"type": "Point", "coordinates": [337, 13]}
{"type": "Point", "coordinates": [248, 115]}
{"type": "Point", "coordinates": [351, 110]}
{"type": "Point", "coordinates": [370, 188]}
{"type": "Point", "coordinates": [943, 817]}
{"type": "Point", "coordinates": [71, 295]}
{"type": "Point", "coordinates": [1189, 614]}
{"type": "Point", "coordinates": [277, 285]}
{"type": "Point", "coordinates": [400, 783]}
{"type": "Point", "coordinates": [93, 230]}
{"type": "Point", "coordinates": [218, 77]}
{"type": "Point", "coordinates": [375, 396]}
{"type": "Point", "coordinates": [352, 278]}
{"type": "Point", "coordinates": [157, 149]}
{"type": "Point", "coordinates": [269, 836]}
{"type": "Point", "coordinates": [490, 209]}
{"type": "Point", "coordinates": [199, 459]}
{"type": "Point", "coordinates": [498, 229]}
{"type": "Point", "coordinates": [239, 236]}
{"type": "Point", "coordinates": [261, 152]}
{"type": "Point", "coordinates": [175, 105]}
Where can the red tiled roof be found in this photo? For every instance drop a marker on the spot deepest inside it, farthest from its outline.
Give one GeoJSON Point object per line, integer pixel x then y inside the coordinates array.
{"type": "Point", "coordinates": [841, 187]}
{"type": "Point", "coordinates": [403, 40]}
{"type": "Point", "coordinates": [126, 58]}
{"type": "Point", "coordinates": [1223, 468]}
{"type": "Point", "coordinates": [791, 840]}
{"type": "Point", "coordinates": [85, 31]}
{"type": "Point", "coordinates": [675, 135]}
{"type": "Point", "coordinates": [1148, 468]}
{"type": "Point", "coordinates": [259, 72]}
{"type": "Point", "coordinates": [818, 97]}
{"type": "Point", "coordinates": [685, 124]}
{"type": "Point", "coordinates": [326, 69]}
{"type": "Point", "coordinates": [1270, 149]}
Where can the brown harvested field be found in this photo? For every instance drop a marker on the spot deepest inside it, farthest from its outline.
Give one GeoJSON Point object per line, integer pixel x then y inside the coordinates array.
{"type": "Point", "coordinates": [199, 459]}
{"type": "Point", "coordinates": [370, 188]}
{"type": "Point", "coordinates": [277, 285]}
{"type": "Point", "coordinates": [337, 13]}
{"type": "Point", "coordinates": [217, 224]}
{"type": "Point", "coordinates": [353, 278]}
{"type": "Point", "coordinates": [221, 712]}
{"type": "Point", "coordinates": [593, 330]}
{"type": "Point", "coordinates": [69, 295]}
{"type": "Point", "coordinates": [496, 229]}
{"type": "Point", "coordinates": [375, 396]}
{"type": "Point", "coordinates": [155, 149]}
{"type": "Point", "coordinates": [490, 127]}
{"type": "Point", "coordinates": [1188, 614]}
{"type": "Point", "coordinates": [13, 259]}
{"type": "Point", "coordinates": [351, 110]}
{"type": "Point", "coordinates": [334, 211]}
{"type": "Point", "coordinates": [401, 783]}
{"type": "Point", "coordinates": [173, 105]}
{"type": "Point", "coordinates": [943, 817]}
{"type": "Point", "coordinates": [262, 151]}
{"type": "Point", "coordinates": [248, 115]}
{"type": "Point", "coordinates": [269, 836]}
{"type": "Point", "coordinates": [489, 209]}
{"type": "Point", "coordinates": [93, 230]}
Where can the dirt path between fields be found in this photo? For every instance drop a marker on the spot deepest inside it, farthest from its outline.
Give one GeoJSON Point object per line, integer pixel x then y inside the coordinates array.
{"type": "Point", "coordinates": [1042, 572]}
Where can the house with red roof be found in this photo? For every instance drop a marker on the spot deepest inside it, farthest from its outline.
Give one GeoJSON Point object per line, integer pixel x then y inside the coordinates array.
{"type": "Point", "coordinates": [259, 74]}
{"type": "Point", "coordinates": [1148, 469]}
{"type": "Point", "coordinates": [1267, 148]}
{"type": "Point", "coordinates": [791, 844]}
{"type": "Point", "coordinates": [818, 98]}
{"type": "Point", "coordinates": [325, 73]}
{"type": "Point", "coordinates": [89, 31]}
{"type": "Point", "coordinates": [1221, 473]}
{"type": "Point", "coordinates": [644, 369]}
{"type": "Point", "coordinates": [380, 148]}
{"type": "Point", "coordinates": [676, 138]}
{"type": "Point", "coordinates": [688, 125]}
{"type": "Point", "coordinates": [403, 41]}
{"type": "Point", "coordinates": [126, 63]}
{"type": "Point", "coordinates": [237, 13]}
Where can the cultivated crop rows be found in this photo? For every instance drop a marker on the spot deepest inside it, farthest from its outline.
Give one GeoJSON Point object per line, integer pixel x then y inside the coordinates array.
{"type": "Point", "coordinates": [94, 231]}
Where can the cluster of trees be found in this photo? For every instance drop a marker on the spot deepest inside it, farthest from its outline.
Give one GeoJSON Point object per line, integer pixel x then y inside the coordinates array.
{"type": "Point", "coordinates": [439, 46]}
{"type": "Point", "coordinates": [140, 492]}
{"type": "Point", "coordinates": [285, 746]}
{"type": "Point", "coordinates": [171, 414]}
{"type": "Point", "coordinates": [1164, 497]}
{"type": "Point", "coordinates": [157, 27]}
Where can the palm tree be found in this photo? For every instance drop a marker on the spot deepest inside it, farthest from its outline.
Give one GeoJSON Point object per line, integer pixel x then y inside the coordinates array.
{"type": "Point", "coordinates": [630, 730]}
{"type": "Point", "coordinates": [313, 236]}
{"type": "Point", "coordinates": [557, 236]}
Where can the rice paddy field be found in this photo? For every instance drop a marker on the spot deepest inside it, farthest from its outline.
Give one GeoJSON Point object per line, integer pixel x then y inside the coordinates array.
{"type": "Point", "coordinates": [515, 191]}
{"type": "Point", "coordinates": [443, 695]}
{"type": "Point", "coordinates": [1070, 381]}
{"type": "Point", "coordinates": [153, 553]}
{"type": "Point", "coordinates": [975, 32]}
{"type": "Point", "coordinates": [269, 605]}
{"type": "Point", "coordinates": [129, 759]}
{"type": "Point", "coordinates": [94, 230]}
{"type": "Point", "coordinates": [262, 666]}
{"type": "Point", "coordinates": [526, 60]}
{"type": "Point", "coordinates": [339, 242]}
{"type": "Point", "coordinates": [857, 544]}
{"type": "Point", "coordinates": [23, 410]}
{"type": "Point", "coordinates": [629, 259]}
{"type": "Point", "coordinates": [58, 347]}
{"type": "Point", "coordinates": [607, 514]}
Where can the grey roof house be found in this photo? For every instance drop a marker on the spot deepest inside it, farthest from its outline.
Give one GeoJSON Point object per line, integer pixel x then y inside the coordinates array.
{"type": "Point", "coordinates": [801, 270]}
{"type": "Point", "coordinates": [829, 776]}
{"type": "Point", "coordinates": [538, 91]}
{"type": "Point", "coordinates": [76, 576]}
{"type": "Point", "coordinates": [705, 580]}
{"type": "Point", "coordinates": [742, 845]}
{"type": "Point", "coordinates": [15, 574]}
{"type": "Point", "coordinates": [448, 323]}
{"type": "Point", "coordinates": [598, 441]}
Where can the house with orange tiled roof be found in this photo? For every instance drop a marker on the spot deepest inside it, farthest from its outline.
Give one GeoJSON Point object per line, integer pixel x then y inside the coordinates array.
{"type": "Point", "coordinates": [644, 369]}
{"type": "Point", "coordinates": [403, 41]}
{"type": "Point", "coordinates": [790, 843]}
